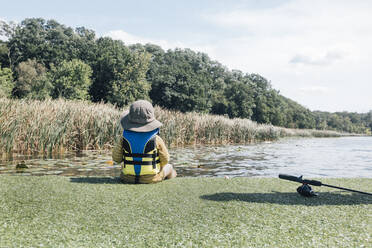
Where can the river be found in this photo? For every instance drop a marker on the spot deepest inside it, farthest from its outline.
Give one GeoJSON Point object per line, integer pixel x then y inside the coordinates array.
{"type": "Point", "coordinates": [311, 157]}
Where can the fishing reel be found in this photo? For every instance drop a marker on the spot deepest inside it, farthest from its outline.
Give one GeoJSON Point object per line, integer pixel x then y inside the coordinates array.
{"type": "Point", "coordinates": [306, 190]}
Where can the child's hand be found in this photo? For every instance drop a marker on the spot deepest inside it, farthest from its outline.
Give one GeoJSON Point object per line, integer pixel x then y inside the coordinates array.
{"type": "Point", "coordinates": [158, 177]}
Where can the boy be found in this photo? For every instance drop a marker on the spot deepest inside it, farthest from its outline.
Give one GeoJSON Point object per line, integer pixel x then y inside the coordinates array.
{"type": "Point", "coordinates": [143, 153]}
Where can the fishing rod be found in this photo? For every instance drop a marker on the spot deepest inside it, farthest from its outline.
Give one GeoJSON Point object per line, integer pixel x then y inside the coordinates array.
{"type": "Point", "coordinates": [305, 189]}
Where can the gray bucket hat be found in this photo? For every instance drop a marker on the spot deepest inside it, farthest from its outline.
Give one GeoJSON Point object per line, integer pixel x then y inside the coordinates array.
{"type": "Point", "coordinates": [140, 117]}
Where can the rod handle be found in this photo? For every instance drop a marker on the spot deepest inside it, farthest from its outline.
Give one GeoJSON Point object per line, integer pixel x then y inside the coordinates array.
{"type": "Point", "coordinates": [290, 178]}
{"type": "Point", "coordinates": [300, 180]}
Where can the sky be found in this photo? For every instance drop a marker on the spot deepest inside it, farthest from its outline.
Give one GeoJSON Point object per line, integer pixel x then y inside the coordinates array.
{"type": "Point", "coordinates": [315, 52]}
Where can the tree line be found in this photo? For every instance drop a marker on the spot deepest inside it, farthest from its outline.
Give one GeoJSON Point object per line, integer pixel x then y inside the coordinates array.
{"type": "Point", "coordinates": [42, 59]}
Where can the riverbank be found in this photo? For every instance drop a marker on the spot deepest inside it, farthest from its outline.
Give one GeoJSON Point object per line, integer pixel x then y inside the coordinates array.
{"type": "Point", "coordinates": [31, 126]}
{"type": "Point", "coordinates": [54, 211]}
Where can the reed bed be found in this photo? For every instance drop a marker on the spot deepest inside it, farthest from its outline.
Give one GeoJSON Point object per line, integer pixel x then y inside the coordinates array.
{"type": "Point", "coordinates": [54, 126]}
{"type": "Point", "coordinates": [194, 128]}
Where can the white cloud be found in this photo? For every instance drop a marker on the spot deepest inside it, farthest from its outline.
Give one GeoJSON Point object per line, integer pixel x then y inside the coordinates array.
{"type": "Point", "coordinates": [299, 17]}
{"type": "Point", "coordinates": [130, 39]}
{"type": "Point", "coordinates": [327, 59]}
{"type": "Point", "coordinates": [306, 48]}
{"type": "Point", "coordinates": [302, 27]}
{"type": "Point", "coordinates": [314, 90]}
{"type": "Point", "coordinates": [133, 39]}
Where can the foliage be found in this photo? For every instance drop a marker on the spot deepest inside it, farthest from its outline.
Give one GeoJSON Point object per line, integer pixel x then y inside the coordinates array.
{"type": "Point", "coordinates": [6, 82]}
{"type": "Point", "coordinates": [49, 42]}
{"type": "Point", "coordinates": [118, 73]}
{"type": "Point", "coordinates": [4, 54]}
{"type": "Point", "coordinates": [32, 81]}
{"type": "Point", "coordinates": [71, 80]}
{"type": "Point", "coordinates": [240, 100]}
{"type": "Point", "coordinates": [346, 121]}
{"type": "Point", "coordinates": [179, 79]}
{"type": "Point", "coordinates": [7, 29]}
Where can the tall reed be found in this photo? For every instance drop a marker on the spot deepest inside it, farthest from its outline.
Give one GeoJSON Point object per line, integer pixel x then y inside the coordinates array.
{"type": "Point", "coordinates": [53, 126]}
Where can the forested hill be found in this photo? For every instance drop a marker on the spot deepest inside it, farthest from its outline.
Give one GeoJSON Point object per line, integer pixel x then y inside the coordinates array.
{"type": "Point", "coordinates": [45, 59]}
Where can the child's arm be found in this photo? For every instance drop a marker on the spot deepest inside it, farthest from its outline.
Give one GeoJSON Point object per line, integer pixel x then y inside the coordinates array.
{"type": "Point", "coordinates": [117, 152]}
{"type": "Point", "coordinates": [163, 151]}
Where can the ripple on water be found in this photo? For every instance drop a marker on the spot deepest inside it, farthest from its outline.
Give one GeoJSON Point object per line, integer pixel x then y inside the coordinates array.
{"type": "Point", "coordinates": [316, 157]}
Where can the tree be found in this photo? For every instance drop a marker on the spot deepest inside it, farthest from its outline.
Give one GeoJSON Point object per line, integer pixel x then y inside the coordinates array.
{"type": "Point", "coordinates": [260, 87]}
{"type": "Point", "coordinates": [71, 80]}
{"type": "Point", "coordinates": [240, 100]}
{"type": "Point", "coordinates": [50, 42]}
{"type": "Point", "coordinates": [181, 80]}
{"type": "Point", "coordinates": [119, 74]}
{"type": "Point", "coordinates": [85, 44]}
{"type": "Point", "coordinates": [218, 74]}
{"type": "Point", "coordinates": [4, 54]}
{"type": "Point", "coordinates": [6, 82]}
{"type": "Point", "coordinates": [7, 30]}
{"type": "Point", "coordinates": [32, 81]}
{"type": "Point", "coordinates": [368, 121]}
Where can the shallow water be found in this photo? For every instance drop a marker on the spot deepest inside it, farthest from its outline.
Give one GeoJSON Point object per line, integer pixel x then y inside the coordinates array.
{"type": "Point", "coordinates": [311, 157]}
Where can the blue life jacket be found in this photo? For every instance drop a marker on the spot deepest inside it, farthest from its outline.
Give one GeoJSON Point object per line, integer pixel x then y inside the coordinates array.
{"type": "Point", "coordinates": [140, 154]}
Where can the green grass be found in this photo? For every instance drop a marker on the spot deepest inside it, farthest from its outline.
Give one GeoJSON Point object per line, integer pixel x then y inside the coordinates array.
{"type": "Point", "coordinates": [53, 211]}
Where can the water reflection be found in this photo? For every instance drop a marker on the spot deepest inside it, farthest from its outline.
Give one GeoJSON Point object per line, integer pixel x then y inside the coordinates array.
{"type": "Point", "coordinates": [86, 163]}
{"type": "Point", "coordinates": [316, 157]}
